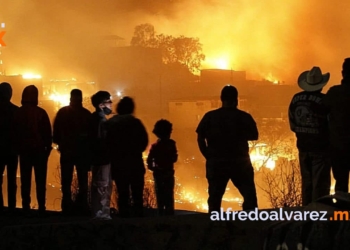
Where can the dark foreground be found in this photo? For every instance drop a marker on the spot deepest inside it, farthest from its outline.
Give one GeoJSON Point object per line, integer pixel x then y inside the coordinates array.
{"type": "Point", "coordinates": [182, 231]}
{"type": "Point", "coordinates": [185, 230]}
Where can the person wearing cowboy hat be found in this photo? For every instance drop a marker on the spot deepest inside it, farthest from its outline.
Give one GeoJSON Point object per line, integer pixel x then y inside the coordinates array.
{"type": "Point", "coordinates": [308, 120]}
{"type": "Point", "coordinates": [337, 99]}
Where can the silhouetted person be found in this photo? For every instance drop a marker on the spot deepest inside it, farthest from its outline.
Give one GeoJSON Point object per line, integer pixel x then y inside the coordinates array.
{"type": "Point", "coordinates": [223, 136]}
{"type": "Point", "coordinates": [127, 138]}
{"type": "Point", "coordinates": [8, 157]}
{"type": "Point", "coordinates": [161, 159]}
{"type": "Point", "coordinates": [308, 120]}
{"type": "Point", "coordinates": [33, 141]}
{"type": "Point", "coordinates": [101, 186]}
{"type": "Point", "coordinates": [70, 133]}
{"type": "Point", "coordinates": [337, 100]}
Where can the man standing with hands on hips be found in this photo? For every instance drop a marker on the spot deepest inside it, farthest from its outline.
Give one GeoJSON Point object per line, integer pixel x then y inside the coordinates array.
{"type": "Point", "coordinates": [223, 136]}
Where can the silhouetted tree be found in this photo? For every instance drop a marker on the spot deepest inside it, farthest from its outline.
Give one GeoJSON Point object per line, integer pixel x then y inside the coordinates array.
{"type": "Point", "coordinates": [282, 186]}
{"type": "Point", "coordinates": [185, 51]}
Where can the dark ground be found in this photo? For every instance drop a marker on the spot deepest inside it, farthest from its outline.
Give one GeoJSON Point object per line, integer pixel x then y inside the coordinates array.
{"type": "Point", "coordinates": [185, 230]}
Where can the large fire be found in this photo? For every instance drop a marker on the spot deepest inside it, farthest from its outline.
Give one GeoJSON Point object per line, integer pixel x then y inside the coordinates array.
{"type": "Point", "coordinates": [260, 159]}
{"type": "Point", "coordinates": [61, 99]}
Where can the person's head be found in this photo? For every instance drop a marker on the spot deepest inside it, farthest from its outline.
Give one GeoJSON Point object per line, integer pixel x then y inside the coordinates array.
{"type": "Point", "coordinates": [229, 96]}
{"type": "Point", "coordinates": [5, 92]}
{"type": "Point", "coordinates": [30, 95]}
{"type": "Point", "coordinates": [102, 101]}
{"type": "Point", "coordinates": [313, 80]}
{"type": "Point", "coordinates": [76, 96]}
{"type": "Point", "coordinates": [346, 68]}
{"type": "Point", "coordinates": [126, 106]}
{"type": "Point", "coordinates": [162, 129]}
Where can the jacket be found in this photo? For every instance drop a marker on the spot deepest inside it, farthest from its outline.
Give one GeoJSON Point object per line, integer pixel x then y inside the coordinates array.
{"type": "Point", "coordinates": [127, 139]}
{"type": "Point", "coordinates": [32, 127]}
{"type": "Point", "coordinates": [162, 156]}
{"type": "Point", "coordinates": [227, 131]}
{"type": "Point", "coordinates": [97, 139]}
{"type": "Point", "coordinates": [337, 100]}
{"type": "Point", "coordinates": [308, 120]}
{"type": "Point", "coordinates": [71, 128]}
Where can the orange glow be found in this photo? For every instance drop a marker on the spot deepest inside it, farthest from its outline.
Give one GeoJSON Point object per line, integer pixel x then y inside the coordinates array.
{"type": "Point", "coordinates": [2, 43]}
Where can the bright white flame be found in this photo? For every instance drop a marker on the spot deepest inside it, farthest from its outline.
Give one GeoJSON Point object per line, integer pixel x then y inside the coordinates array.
{"type": "Point", "coordinates": [62, 100]}
{"type": "Point", "coordinates": [270, 164]}
{"type": "Point", "coordinates": [31, 76]}
{"type": "Point", "coordinates": [218, 63]}
{"type": "Point", "coordinates": [119, 94]}
{"type": "Point", "coordinates": [271, 79]}
{"type": "Point", "coordinates": [260, 159]}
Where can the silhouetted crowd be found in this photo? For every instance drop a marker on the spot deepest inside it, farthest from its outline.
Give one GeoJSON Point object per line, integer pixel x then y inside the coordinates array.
{"type": "Point", "coordinates": [112, 148]}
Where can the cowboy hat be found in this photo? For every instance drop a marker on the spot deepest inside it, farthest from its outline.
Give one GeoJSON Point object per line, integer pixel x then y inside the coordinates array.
{"type": "Point", "coordinates": [313, 80]}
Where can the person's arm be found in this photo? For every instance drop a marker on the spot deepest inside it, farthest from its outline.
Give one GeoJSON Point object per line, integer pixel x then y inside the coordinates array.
{"type": "Point", "coordinates": [251, 129]}
{"type": "Point", "coordinates": [150, 159]}
{"type": "Point", "coordinates": [143, 137]}
{"type": "Point", "coordinates": [47, 132]}
{"type": "Point", "coordinates": [175, 155]}
{"type": "Point", "coordinates": [202, 144]}
{"type": "Point", "coordinates": [57, 126]}
{"type": "Point", "coordinates": [201, 138]}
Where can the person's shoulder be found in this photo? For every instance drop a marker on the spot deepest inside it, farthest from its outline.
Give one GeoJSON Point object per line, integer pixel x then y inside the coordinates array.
{"type": "Point", "coordinates": [169, 141]}
{"type": "Point", "coordinates": [87, 111]}
{"type": "Point", "coordinates": [137, 121]}
{"type": "Point", "coordinates": [94, 115]}
{"type": "Point", "coordinates": [299, 93]}
{"type": "Point", "coordinates": [62, 110]}
{"type": "Point", "coordinates": [41, 111]}
{"type": "Point", "coordinates": [211, 113]}
{"type": "Point", "coordinates": [243, 113]}
{"type": "Point", "coordinates": [154, 144]}
{"type": "Point", "coordinates": [335, 88]}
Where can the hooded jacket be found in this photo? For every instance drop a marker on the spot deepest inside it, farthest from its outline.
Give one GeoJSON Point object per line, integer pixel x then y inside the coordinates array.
{"type": "Point", "coordinates": [7, 112]}
{"type": "Point", "coordinates": [32, 126]}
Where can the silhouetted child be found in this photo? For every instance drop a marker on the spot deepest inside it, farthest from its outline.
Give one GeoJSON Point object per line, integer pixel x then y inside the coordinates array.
{"type": "Point", "coordinates": [161, 159]}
